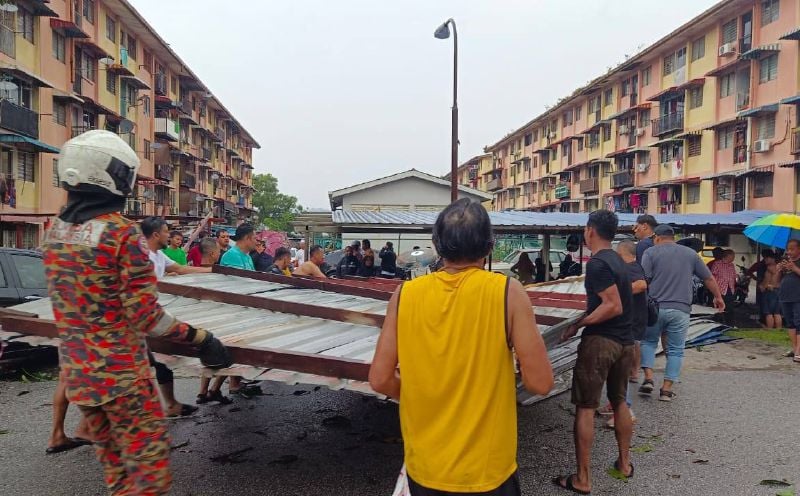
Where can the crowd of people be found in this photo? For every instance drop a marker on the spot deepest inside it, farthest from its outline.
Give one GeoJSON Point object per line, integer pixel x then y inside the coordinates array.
{"type": "Point", "coordinates": [466, 326]}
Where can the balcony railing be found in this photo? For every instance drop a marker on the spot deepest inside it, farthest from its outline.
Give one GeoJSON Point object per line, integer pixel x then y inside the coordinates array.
{"type": "Point", "coordinates": [589, 185]}
{"type": "Point", "coordinates": [796, 141]}
{"type": "Point", "coordinates": [494, 184]}
{"type": "Point", "coordinates": [78, 130]}
{"type": "Point", "coordinates": [160, 84]}
{"type": "Point", "coordinates": [166, 128]}
{"type": "Point", "coordinates": [164, 172]}
{"type": "Point", "coordinates": [19, 119]}
{"type": "Point", "coordinates": [667, 123]}
{"type": "Point", "coordinates": [742, 101]}
{"type": "Point", "coordinates": [188, 180]}
{"type": "Point", "coordinates": [8, 44]}
{"type": "Point", "coordinates": [132, 207]}
{"type": "Point", "coordinates": [622, 179]}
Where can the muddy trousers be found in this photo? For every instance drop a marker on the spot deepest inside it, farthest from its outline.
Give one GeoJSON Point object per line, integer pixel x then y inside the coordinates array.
{"type": "Point", "coordinates": [132, 442]}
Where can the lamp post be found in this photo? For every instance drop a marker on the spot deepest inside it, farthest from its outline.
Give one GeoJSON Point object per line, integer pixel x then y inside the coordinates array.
{"type": "Point", "coordinates": [442, 33]}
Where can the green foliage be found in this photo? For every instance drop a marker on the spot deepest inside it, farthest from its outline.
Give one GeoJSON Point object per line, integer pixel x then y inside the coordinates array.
{"type": "Point", "coordinates": [773, 336]}
{"type": "Point", "coordinates": [275, 209]}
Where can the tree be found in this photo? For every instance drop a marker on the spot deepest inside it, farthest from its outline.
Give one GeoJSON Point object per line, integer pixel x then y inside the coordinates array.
{"type": "Point", "coordinates": [275, 209]}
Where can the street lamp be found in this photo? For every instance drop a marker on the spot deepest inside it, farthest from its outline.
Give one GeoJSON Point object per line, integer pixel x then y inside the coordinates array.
{"type": "Point", "coordinates": [442, 33]}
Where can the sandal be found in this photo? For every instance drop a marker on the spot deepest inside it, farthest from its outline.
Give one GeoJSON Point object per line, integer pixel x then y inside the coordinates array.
{"type": "Point", "coordinates": [71, 444]}
{"type": "Point", "coordinates": [218, 397]}
{"type": "Point", "coordinates": [565, 482]}
{"type": "Point", "coordinates": [666, 395]}
{"type": "Point", "coordinates": [186, 410]}
{"type": "Point", "coordinates": [796, 359]}
{"type": "Point", "coordinates": [647, 387]}
{"type": "Point", "coordinates": [616, 466]}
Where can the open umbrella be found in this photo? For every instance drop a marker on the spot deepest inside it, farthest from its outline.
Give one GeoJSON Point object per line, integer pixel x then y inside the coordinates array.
{"type": "Point", "coordinates": [774, 230]}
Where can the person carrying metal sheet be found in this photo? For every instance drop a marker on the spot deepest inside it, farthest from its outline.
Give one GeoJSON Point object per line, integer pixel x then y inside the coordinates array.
{"type": "Point", "coordinates": [452, 333]}
{"type": "Point", "coordinates": [103, 290]}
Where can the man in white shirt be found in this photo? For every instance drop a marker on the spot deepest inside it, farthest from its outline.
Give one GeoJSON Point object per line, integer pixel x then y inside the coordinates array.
{"type": "Point", "coordinates": [156, 232]}
{"type": "Point", "coordinates": [301, 254]}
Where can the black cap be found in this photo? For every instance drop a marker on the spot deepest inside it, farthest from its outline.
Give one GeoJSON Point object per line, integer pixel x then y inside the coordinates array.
{"type": "Point", "coordinates": [243, 230]}
{"type": "Point", "coordinates": [664, 230]}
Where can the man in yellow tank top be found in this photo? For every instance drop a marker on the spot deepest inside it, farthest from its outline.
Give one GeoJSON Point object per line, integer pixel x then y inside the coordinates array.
{"type": "Point", "coordinates": [451, 333]}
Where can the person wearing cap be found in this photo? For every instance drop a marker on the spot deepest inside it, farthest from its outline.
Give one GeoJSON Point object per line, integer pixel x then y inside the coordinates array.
{"type": "Point", "coordinates": [668, 268]}
{"type": "Point", "coordinates": [102, 288]}
{"type": "Point", "coordinates": [238, 256]}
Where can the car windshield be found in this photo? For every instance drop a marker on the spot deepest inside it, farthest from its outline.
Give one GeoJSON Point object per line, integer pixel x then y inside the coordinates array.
{"type": "Point", "coordinates": [513, 257]}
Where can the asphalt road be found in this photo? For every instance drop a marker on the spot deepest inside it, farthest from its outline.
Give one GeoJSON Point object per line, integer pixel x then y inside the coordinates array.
{"type": "Point", "coordinates": [728, 430]}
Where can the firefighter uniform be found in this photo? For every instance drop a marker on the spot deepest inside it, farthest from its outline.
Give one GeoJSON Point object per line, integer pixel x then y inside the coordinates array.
{"type": "Point", "coordinates": [104, 296]}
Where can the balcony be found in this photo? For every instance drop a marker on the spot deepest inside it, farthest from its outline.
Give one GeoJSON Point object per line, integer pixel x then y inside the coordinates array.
{"type": "Point", "coordinates": [796, 141]}
{"type": "Point", "coordinates": [562, 191]}
{"type": "Point", "coordinates": [590, 185]}
{"type": "Point", "coordinates": [132, 207]}
{"type": "Point", "coordinates": [167, 129]}
{"type": "Point", "coordinates": [78, 130]}
{"type": "Point", "coordinates": [8, 44]}
{"type": "Point", "coordinates": [206, 153]}
{"type": "Point", "coordinates": [164, 172]}
{"type": "Point", "coordinates": [494, 184]}
{"type": "Point", "coordinates": [161, 84]}
{"type": "Point", "coordinates": [188, 180]}
{"type": "Point", "coordinates": [634, 100]}
{"type": "Point", "coordinates": [19, 119]}
{"type": "Point", "coordinates": [622, 179]}
{"type": "Point", "coordinates": [667, 123]}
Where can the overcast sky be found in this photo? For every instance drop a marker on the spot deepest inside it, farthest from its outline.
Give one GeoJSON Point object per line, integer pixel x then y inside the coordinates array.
{"type": "Point", "coordinates": [343, 92]}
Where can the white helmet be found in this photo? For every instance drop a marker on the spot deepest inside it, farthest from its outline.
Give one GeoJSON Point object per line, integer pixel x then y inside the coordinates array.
{"type": "Point", "coordinates": [98, 161]}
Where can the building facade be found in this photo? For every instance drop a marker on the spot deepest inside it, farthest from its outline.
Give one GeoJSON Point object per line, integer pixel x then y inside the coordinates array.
{"type": "Point", "coordinates": [68, 66]}
{"type": "Point", "coordinates": [705, 120]}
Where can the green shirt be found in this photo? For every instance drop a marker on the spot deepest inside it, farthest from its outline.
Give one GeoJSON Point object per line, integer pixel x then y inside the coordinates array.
{"type": "Point", "coordinates": [237, 259]}
{"type": "Point", "coordinates": [177, 255]}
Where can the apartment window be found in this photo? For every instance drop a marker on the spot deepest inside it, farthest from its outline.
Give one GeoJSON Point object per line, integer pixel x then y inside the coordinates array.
{"type": "Point", "coordinates": [608, 96]}
{"type": "Point", "coordinates": [647, 75]}
{"type": "Point", "coordinates": [766, 127]}
{"type": "Point", "coordinates": [725, 138]}
{"type": "Point", "coordinates": [723, 190]}
{"type": "Point", "coordinates": [606, 133]}
{"type": "Point", "coordinates": [770, 10]}
{"type": "Point", "coordinates": [111, 29]}
{"type": "Point", "coordinates": [59, 47]}
{"type": "Point", "coordinates": [729, 31]}
{"type": "Point", "coordinates": [726, 85]}
{"type": "Point", "coordinates": [696, 97]}
{"type": "Point", "coordinates": [59, 113]}
{"type": "Point", "coordinates": [111, 83]}
{"type": "Point", "coordinates": [578, 112]}
{"type": "Point", "coordinates": [768, 69]}
{"type": "Point", "coordinates": [695, 147]}
{"type": "Point", "coordinates": [147, 151]}
{"type": "Point", "coordinates": [567, 118]}
{"type": "Point", "coordinates": [56, 181]}
{"type": "Point", "coordinates": [174, 84]}
{"type": "Point", "coordinates": [699, 48]}
{"type": "Point", "coordinates": [692, 194]}
{"type": "Point", "coordinates": [566, 148]}
{"type": "Point", "coordinates": [680, 58]}
{"type": "Point", "coordinates": [148, 61]}
{"type": "Point", "coordinates": [132, 47]}
{"type": "Point", "coordinates": [644, 117]}
{"type": "Point", "coordinates": [535, 135]}
{"type": "Point", "coordinates": [88, 10]}
{"type": "Point", "coordinates": [580, 145]}
{"type": "Point", "coordinates": [625, 88]}
{"type": "Point", "coordinates": [669, 64]}
{"type": "Point", "coordinates": [87, 69]}
{"type": "Point", "coordinates": [528, 139]}
{"type": "Point", "coordinates": [762, 185]}
{"type": "Point", "coordinates": [554, 155]}
{"type": "Point", "coordinates": [25, 166]}
{"type": "Point", "coordinates": [25, 21]}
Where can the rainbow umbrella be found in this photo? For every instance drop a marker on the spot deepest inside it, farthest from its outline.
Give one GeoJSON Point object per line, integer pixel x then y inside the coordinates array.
{"type": "Point", "coordinates": [774, 230]}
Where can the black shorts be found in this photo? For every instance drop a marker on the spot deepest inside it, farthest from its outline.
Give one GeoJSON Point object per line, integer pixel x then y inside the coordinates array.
{"type": "Point", "coordinates": [601, 360]}
{"type": "Point", "coordinates": [508, 488]}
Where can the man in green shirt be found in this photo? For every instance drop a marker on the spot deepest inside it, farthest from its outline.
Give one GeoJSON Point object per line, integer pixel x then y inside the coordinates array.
{"type": "Point", "coordinates": [174, 251]}
{"type": "Point", "coordinates": [238, 256]}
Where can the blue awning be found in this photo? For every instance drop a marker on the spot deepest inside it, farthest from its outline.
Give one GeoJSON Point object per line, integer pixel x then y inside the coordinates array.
{"type": "Point", "coordinates": [766, 109]}
{"type": "Point", "coordinates": [791, 100]}
{"type": "Point", "coordinates": [37, 145]}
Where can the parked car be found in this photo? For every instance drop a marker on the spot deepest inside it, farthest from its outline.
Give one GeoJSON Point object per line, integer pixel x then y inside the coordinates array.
{"type": "Point", "coordinates": [21, 276]}
{"type": "Point", "coordinates": [504, 267]}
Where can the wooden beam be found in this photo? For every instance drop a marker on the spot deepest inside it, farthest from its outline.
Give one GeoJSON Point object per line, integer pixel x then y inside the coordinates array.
{"type": "Point", "coordinates": [307, 363]}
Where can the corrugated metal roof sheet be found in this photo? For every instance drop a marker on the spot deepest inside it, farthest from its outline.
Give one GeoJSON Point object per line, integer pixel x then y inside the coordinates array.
{"type": "Point", "coordinates": [543, 219]}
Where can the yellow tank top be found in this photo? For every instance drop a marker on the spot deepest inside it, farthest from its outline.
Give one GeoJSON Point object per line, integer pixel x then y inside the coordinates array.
{"type": "Point", "coordinates": [458, 411]}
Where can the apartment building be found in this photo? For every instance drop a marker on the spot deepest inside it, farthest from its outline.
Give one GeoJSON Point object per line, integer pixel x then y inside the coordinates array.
{"type": "Point", "coordinates": [705, 120]}
{"type": "Point", "coordinates": [68, 66]}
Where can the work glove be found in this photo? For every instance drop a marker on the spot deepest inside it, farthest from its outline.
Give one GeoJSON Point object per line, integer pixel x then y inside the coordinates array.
{"type": "Point", "coordinates": [213, 353]}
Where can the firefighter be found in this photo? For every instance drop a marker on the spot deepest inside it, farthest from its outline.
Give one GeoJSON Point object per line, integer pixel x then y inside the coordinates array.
{"type": "Point", "coordinates": [105, 302]}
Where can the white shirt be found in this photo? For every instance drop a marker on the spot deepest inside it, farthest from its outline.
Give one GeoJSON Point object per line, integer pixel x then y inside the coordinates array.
{"type": "Point", "coordinates": [301, 256]}
{"type": "Point", "coordinates": [161, 262]}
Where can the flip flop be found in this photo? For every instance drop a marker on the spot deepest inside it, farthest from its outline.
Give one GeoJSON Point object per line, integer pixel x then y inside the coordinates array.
{"type": "Point", "coordinates": [565, 482]}
{"type": "Point", "coordinates": [71, 444]}
{"type": "Point", "coordinates": [616, 466]}
{"type": "Point", "coordinates": [186, 410]}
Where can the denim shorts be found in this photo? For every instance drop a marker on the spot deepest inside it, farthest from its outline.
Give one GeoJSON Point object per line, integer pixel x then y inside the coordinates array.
{"type": "Point", "coordinates": [791, 314]}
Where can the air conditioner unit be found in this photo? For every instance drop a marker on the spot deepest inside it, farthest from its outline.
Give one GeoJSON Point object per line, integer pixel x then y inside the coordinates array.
{"type": "Point", "coordinates": [623, 129]}
{"type": "Point", "coordinates": [640, 131]}
{"type": "Point", "coordinates": [761, 146]}
{"type": "Point", "coordinates": [727, 49]}
{"type": "Point", "coordinates": [642, 167]}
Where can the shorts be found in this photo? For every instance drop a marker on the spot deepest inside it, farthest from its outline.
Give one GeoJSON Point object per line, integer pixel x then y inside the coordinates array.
{"type": "Point", "coordinates": [770, 304]}
{"type": "Point", "coordinates": [601, 360]}
{"type": "Point", "coordinates": [508, 488]}
{"type": "Point", "coordinates": [791, 314]}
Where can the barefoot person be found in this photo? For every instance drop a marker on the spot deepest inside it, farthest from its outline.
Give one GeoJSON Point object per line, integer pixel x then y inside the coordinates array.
{"type": "Point", "coordinates": [105, 304]}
